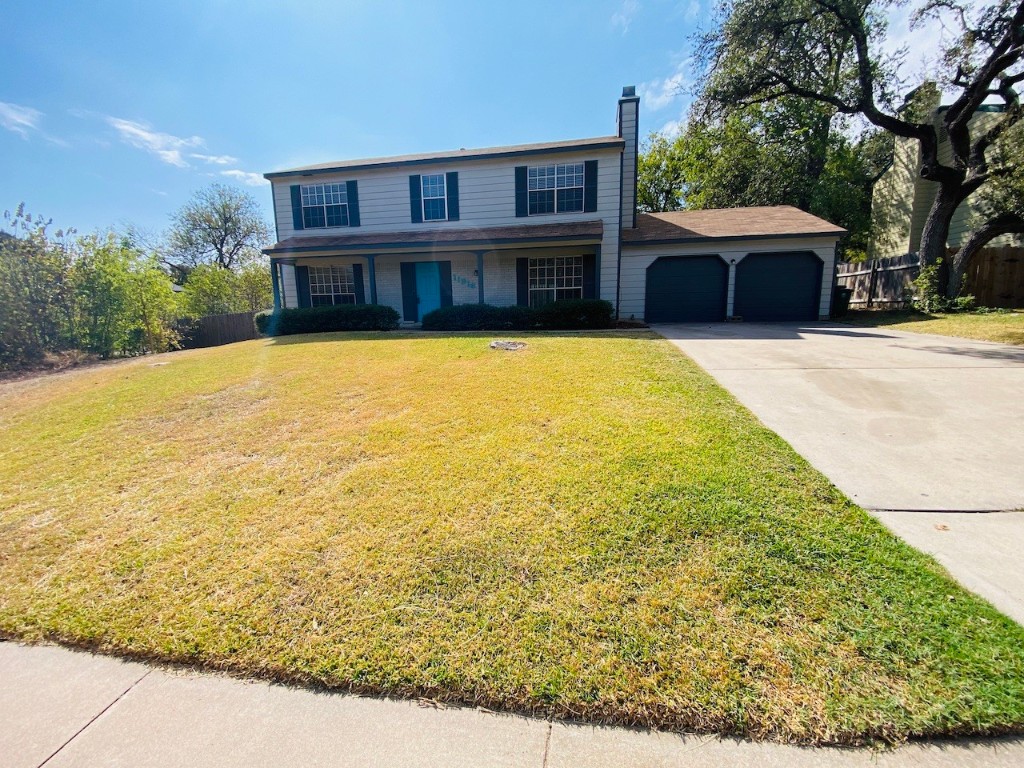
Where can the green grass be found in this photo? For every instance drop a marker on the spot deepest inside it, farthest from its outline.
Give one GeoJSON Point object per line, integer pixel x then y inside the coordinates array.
{"type": "Point", "coordinates": [1006, 326]}
{"type": "Point", "coordinates": [590, 528]}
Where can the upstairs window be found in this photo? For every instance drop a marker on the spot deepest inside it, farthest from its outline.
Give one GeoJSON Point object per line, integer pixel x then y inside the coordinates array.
{"type": "Point", "coordinates": [555, 279]}
{"type": "Point", "coordinates": [434, 197]}
{"type": "Point", "coordinates": [555, 188]}
{"type": "Point", "coordinates": [331, 285]}
{"type": "Point", "coordinates": [324, 205]}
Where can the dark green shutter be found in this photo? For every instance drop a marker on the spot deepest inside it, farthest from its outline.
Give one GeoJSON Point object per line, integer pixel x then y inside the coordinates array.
{"type": "Point", "coordinates": [523, 282]}
{"type": "Point", "coordinates": [302, 285]}
{"type": "Point", "coordinates": [589, 276]}
{"type": "Point", "coordinates": [590, 185]}
{"type": "Point", "coordinates": [352, 194]}
{"type": "Point", "coordinates": [451, 188]}
{"type": "Point", "coordinates": [415, 199]}
{"type": "Point", "coordinates": [522, 196]}
{"type": "Point", "coordinates": [444, 269]}
{"type": "Point", "coordinates": [357, 278]}
{"type": "Point", "coordinates": [296, 207]}
{"type": "Point", "coordinates": [410, 305]}
{"type": "Point", "coordinates": [275, 283]}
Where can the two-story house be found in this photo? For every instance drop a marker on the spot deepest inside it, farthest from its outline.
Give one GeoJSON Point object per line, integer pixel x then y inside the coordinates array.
{"type": "Point", "coordinates": [534, 223]}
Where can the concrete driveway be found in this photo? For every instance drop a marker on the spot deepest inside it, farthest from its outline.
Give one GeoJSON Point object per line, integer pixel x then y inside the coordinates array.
{"type": "Point", "coordinates": [911, 427]}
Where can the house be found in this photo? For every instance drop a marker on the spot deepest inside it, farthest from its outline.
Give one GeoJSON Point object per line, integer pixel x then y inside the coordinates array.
{"type": "Point", "coordinates": [534, 223]}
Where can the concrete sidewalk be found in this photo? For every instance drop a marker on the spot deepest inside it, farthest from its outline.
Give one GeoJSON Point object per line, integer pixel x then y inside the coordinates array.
{"type": "Point", "coordinates": [68, 708]}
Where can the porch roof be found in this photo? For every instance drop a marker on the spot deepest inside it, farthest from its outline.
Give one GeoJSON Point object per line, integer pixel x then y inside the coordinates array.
{"type": "Point", "coordinates": [461, 237]}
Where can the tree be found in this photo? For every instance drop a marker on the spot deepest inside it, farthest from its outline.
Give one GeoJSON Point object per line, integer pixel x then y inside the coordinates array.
{"type": "Point", "coordinates": [220, 225]}
{"type": "Point", "coordinates": [660, 174]}
{"type": "Point", "coordinates": [827, 52]}
{"type": "Point", "coordinates": [210, 290]}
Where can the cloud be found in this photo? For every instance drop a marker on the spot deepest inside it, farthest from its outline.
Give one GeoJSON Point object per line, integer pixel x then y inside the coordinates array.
{"type": "Point", "coordinates": [623, 17]}
{"type": "Point", "coordinates": [215, 159]}
{"type": "Point", "coordinates": [693, 10]}
{"type": "Point", "coordinates": [164, 145]}
{"type": "Point", "coordinates": [21, 120]}
{"type": "Point", "coordinates": [252, 179]}
{"type": "Point", "coordinates": [660, 92]}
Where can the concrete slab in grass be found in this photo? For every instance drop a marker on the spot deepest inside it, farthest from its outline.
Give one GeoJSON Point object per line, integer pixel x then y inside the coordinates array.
{"type": "Point", "coordinates": [192, 721]}
{"type": "Point", "coordinates": [47, 695]}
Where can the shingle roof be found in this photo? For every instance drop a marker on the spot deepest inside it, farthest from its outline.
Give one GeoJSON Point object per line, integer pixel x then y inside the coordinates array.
{"type": "Point", "coordinates": [601, 142]}
{"type": "Point", "coordinates": [488, 236]}
{"type": "Point", "coordinates": [732, 223]}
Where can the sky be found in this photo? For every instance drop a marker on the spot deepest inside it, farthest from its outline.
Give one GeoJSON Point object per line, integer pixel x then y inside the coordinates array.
{"type": "Point", "coordinates": [115, 113]}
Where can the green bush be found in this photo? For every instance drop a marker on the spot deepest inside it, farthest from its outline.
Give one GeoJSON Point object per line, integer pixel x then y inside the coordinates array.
{"type": "Point", "coordinates": [343, 317]}
{"type": "Point", "coordinates": [576, 314]}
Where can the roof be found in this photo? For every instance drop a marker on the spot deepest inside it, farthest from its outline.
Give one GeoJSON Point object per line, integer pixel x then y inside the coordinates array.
{"type": "Point", "coordinates": [727, 224]}
{"type": "Point", "coordinates": [454, 155]}
{"type": "Point", "coordinates": [462, 236]}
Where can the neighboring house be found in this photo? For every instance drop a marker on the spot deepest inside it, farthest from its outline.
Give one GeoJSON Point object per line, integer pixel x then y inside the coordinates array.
{"type": "Point", "coordinates": [534, 223]}
{"type": "Point", "coordinates": [901, 199]}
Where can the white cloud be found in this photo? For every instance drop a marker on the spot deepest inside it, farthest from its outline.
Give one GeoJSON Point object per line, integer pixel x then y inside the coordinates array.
{"type": "Point", "coordinates": [623, 17]}
{"type": "Point", "coordinates": [21, 120]}
{"type": "Point", "coordinates": [215, 159]}
{"type": "Point", "coordinates": [252, 179]}
{"type": "Point", "coordinates": [692, 10]}
{"type": "Point", "coordinates": [164, 145]}
{"type": "Point", "coordinates": [659, 93]}
{"type": "Point", "coordinates": [673, 128]}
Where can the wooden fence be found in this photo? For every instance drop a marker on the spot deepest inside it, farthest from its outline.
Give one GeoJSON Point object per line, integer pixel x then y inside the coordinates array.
{"type": "Point", "coordinates": [214, 330]}
{"type": "Point", "coordinates": [995, 278]}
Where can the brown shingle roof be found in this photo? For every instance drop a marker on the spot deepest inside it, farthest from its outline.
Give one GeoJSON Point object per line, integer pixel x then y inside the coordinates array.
{"type": "Point", "coordinates": [600, 142]}
{"type": "Point", "coordinates": [488, 236]}
{"type": "Point", "coordinates": [732, 223]}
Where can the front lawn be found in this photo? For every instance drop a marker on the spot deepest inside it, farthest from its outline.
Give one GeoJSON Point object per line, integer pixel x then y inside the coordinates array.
{"type": "Point", "coordinates": [1006, 326]}
{"type": "Point", "coordinates": [588, 528]}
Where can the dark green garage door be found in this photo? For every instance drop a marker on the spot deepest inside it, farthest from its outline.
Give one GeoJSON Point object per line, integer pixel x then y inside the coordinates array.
{"type": "Point", "coordinates": [778, 286]}
{"type": "Point", "coordinates": [686, 289]}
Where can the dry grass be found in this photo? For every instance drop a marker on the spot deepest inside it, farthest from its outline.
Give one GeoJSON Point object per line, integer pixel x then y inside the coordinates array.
{"type": "Point", "coordinates": [1006, 326]}
{"type": "Point", "coordinates": [588, 528]}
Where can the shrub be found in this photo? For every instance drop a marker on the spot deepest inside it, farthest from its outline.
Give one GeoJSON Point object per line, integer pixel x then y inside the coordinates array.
{"type": "Point", "coordinates": [343, 317]}
{"type": "Point", "coordinates": [560, 315]}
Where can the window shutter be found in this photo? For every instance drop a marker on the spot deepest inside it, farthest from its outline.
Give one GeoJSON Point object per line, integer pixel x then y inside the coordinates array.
{"type": "Point", "coordinates": [589, 276]}
{"type": "Point", "coordinates": [416, 199]}
{"type": "Point", "coordinates": [296, 207]}
{"type": "Point", "coordinates": [352, 194]}
{"type": "Point", "coordinates": [410, 305]}
{"type": "Point", "coordinates": [302, 286]}
{"type": "Point", "coordinates": [275, 282]}
{"type": "Point", "coordinates": [590, 185]}
{"type": "Point", "coordinates": [444, 269]}
{"type": "Point", "coordinates": [523, 282]}
{"type": "Point", "coordinates": [522, 196]}
{"type": "Point", "coordinates": [451, 187]}
{"type": "Point", "coordinates": [357, 278]}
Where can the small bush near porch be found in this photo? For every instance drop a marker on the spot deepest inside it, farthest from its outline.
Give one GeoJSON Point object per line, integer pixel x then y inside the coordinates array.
{"type": "Point", "coordinates": [586, 528]}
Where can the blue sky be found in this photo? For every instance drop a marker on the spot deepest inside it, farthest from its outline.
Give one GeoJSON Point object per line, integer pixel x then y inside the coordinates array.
{"type": "Point", "coordinates": [114, 112]}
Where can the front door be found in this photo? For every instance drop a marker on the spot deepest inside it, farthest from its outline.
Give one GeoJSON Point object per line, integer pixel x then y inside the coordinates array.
{"type": "Point", "coordinates": [428, 287]}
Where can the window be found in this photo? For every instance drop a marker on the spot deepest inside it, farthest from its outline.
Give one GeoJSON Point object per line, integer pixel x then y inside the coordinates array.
{"type": "Point", "coordinates": [331, 285]}
{"type": "Point", "coordinates": [555, 279]}
{"type": "Point", "coordinates": [324, 205]}
{"type": "Point", "coordinates": [434, 208]}
{"type": "Point", "coordinates": [555, 188]}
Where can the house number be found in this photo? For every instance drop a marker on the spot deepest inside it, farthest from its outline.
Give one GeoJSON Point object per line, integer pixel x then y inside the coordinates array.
{"type": "Point", "coordinates": [464, 281]}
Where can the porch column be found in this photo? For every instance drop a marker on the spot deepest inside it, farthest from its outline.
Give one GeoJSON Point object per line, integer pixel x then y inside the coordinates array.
{"type": "Point", "coordinates": [480, 275]}
{"type": "Point", "coordinates": [276, 283]}
{"type": "Point", "coordinates": [371, 267]}
{"type": "Point", "coordinates": [730, 296]}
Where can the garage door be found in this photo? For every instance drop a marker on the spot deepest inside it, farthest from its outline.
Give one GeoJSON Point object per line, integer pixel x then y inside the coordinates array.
{"type": "Point", "coordinates": [686, 289]}
{"type": "Point", "coordinates": [778, 286]}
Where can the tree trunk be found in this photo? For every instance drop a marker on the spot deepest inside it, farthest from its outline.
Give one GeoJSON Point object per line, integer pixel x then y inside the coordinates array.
{"type": "Point", "coordinates": [936, 231]}
{"type": "Point", "coordinates": [1005, 224]}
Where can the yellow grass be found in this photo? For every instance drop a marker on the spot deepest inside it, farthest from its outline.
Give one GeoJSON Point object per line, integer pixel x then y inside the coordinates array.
{"type": "Point", "coordinates": [1006, 326]}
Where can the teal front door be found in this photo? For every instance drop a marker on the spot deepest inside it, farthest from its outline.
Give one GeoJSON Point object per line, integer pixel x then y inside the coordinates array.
{"type": "Point", "coordinates": [428, 287]}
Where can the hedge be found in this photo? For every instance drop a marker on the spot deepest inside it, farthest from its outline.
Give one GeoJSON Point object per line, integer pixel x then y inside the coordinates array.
{"type": "Point", "coordinates": [343, 317]}
{"type": "Point", "coordinates": [577, 314]}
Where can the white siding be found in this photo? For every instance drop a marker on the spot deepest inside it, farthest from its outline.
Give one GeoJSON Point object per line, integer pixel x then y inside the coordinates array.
{"type": "Point", "coordinates": [290, 294]}
{"type": "Point", "coordinates": [636, 259]}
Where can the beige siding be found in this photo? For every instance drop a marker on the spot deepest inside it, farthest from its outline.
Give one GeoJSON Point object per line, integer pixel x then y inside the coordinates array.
{"type": "Point", "coordinates": [628, 130]}
{"type": "Point", "coordinates": [636, 260]}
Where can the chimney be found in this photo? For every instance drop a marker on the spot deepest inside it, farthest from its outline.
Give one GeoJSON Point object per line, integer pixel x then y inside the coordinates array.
{"type": "Point", "coordinates": [629, 129]}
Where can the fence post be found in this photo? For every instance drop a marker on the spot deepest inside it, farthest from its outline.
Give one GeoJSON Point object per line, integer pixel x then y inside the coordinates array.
{"type": "Point", "coordinates": [872, 282]}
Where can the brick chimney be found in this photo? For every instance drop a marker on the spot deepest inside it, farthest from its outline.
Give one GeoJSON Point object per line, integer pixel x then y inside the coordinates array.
{"type": "Point", "coordinates": [629, 129]}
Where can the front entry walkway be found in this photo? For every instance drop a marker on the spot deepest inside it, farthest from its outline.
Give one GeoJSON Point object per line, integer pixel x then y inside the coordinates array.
{"type": "Point", "coordinates": [904, 424]}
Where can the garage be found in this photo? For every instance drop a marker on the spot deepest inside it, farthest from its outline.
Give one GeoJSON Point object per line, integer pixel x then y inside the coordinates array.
{"type": "Point", "coordinates": [773, 287]}
{"type": "Point", "coordinates": [687, 289]}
